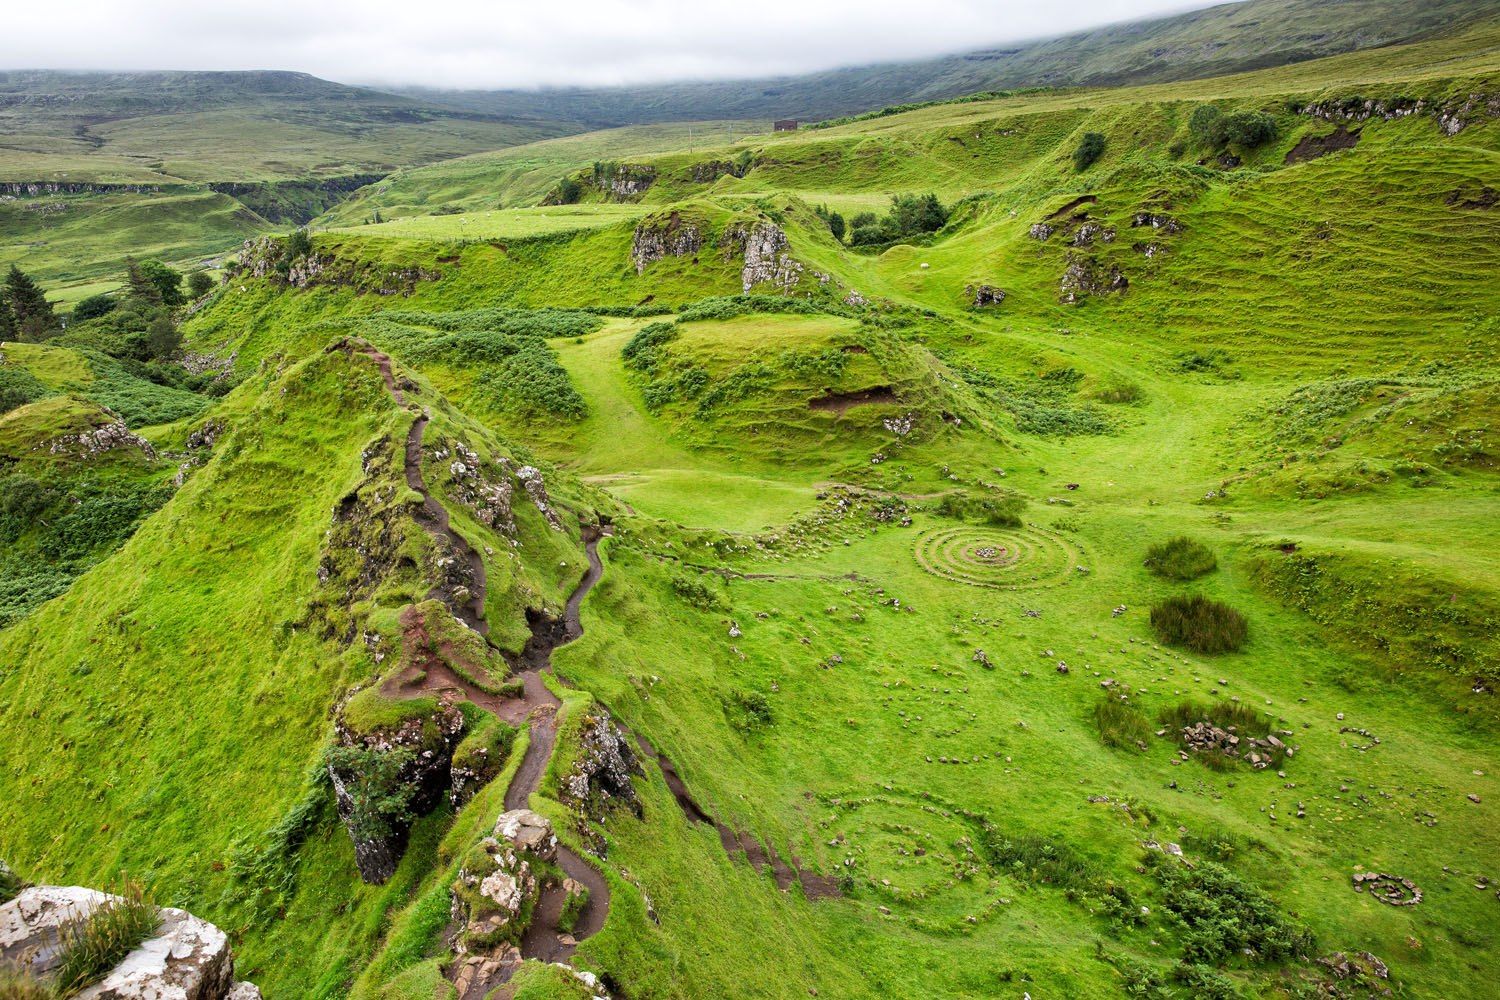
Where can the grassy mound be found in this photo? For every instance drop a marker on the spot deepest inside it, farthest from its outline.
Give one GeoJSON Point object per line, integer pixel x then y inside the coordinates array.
{"type": "Point", "coordinates": [1180, 558]}
{"type": "Point", "coordinates": [1199, 624]}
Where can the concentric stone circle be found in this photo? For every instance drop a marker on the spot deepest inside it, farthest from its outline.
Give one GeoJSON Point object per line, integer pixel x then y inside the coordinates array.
{"type": "Point", "coordinates": [999, 558]}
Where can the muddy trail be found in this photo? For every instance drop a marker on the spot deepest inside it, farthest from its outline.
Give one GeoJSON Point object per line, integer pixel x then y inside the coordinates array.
{"type": "Point", "coordinates": [542, 941]}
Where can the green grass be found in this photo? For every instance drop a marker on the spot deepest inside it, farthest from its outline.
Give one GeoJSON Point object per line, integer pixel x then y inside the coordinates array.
{"type": "Point", "coordinates": [91, 947]}
{"type": "Point", "coordinates": [766, 618]}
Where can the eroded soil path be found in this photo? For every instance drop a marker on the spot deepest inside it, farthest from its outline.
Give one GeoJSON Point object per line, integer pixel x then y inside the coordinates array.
{"type": "Point", "coordinates": [537, 705]}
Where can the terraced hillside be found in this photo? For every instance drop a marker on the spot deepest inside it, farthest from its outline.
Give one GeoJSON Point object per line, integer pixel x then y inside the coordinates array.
{"type": "Point", "coordinates": [1080, 583]}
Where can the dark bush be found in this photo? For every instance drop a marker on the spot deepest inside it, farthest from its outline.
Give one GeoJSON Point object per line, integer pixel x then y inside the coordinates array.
{"type": "Point", "coordinates": [1090, 148]}
{"type": "Point", "coordinates": [1212, 128]}
{"type": "Point", "coordinates": [1224, 916]}
{"type": "Point", "coordinates": [1198, 623]}
{"type": "Point", "coordinates": [1180, 558]}
{"type": "Point", "coordinates": [93, 307]}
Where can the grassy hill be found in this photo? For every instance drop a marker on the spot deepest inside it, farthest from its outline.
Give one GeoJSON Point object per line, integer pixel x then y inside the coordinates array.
{"type": "Point", "coordinates": [895, 584]}
{"type": "Point", "coordinates": [1213, 41]}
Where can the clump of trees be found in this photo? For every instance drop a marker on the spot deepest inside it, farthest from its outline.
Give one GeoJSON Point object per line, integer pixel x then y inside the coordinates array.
{"type": "Point", "coordinates": [909, 215]}
{"type": "Point", "coordinates": [1211, 128]}
{"type": "Point", "coordinates": [1090, 148]}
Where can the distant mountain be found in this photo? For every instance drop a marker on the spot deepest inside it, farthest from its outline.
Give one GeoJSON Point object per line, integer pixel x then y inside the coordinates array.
{"type": "Point", "coordinates": [1223, 39]}
{"type": "Point", "coordinates": [166, 127]}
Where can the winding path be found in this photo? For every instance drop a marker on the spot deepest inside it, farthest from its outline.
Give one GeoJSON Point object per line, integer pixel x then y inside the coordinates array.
{"type": "Point", "coordinates": [537, 703]}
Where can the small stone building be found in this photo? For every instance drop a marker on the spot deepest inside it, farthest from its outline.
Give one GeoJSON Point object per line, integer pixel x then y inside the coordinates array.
{"type": "Point", "coordinates": [787, 125]}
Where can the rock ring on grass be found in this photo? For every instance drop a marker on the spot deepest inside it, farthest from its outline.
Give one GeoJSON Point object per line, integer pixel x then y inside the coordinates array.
{"type": "Point", "coordinates": [997, 557]}
{"type": "Point", "coordinates": [1390, 889]}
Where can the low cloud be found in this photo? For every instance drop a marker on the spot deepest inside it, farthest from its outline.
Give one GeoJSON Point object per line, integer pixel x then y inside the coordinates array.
{"type": "Point", "coordinates": [465, 43]}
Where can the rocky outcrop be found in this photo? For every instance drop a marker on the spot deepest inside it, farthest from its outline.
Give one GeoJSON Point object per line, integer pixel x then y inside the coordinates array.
{"type": "Point", "coordinates": [495, 894]}
{"type": "Point", "coordinates": [658, 238]}
{"type": "Point", "coordinates": [1089, 231]}
{"type": "Point", "coordinates": [531, 481]}
{"type": "Point", "coordinates": [101, 440]}
{"type": "Point", "coordinates": [1090, 276]}
{"type": "Point", "coordinates": [600, 778]}
{"type": "Point", "coordinates": [389, 775]}
{"type": "Point", "coordinates": [1041, 231]}
{"type": "Point", "coordinates": [36, 189]}
{"type": "Point", "coordinates": [763, 245]}
{"type": "Point", "coordinates": [473, 483]}
{"type": "Point", "coordinates": [266, 257]}
{"type": "Point", "coordinates": [1159, 221]}
{"type": "Point", "coordinates": [185, 958]}
{"type": "Point", "coordinates": [980, 296]}
{"type": "Point", "coordinates": [625, 181]}
{"type": "Point", "coordinates": [711, 170]}
{"type": "Point", "coordinates": [1359, 109]}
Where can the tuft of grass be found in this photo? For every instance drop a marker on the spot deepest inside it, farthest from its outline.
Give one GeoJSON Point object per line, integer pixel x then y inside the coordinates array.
{"type": "Point", "coordinates": [1180, 558]}
{"type": "Point", "coordinates": [90, 947]}
{"type": "Point", "coordinates": [1121, 724]}
{"type": "Point", "coordinates": [21, 986]}
{"type": "Point", "coordinates": [1199, 623]}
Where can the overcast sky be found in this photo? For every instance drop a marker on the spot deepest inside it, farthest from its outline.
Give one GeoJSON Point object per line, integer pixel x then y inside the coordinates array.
{"type": "Point", "coordinates": [503, 43]}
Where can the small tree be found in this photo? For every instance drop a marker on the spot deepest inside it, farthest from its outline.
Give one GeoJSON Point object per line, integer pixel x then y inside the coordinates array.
{"type": "Point", "coordinates": [31, 314]}
{"type": "Point", "coordinates": [162, 338]}
{"type": "Point", "coordinates": [1090, 148]}
{"type": "Point", "coordinates": [836, 226]}
{"type": "Point", "coordinates": [168, 282]}
{"type": "Point", "coordinates": [1248, 129]}
{"type": "Point", "coordinates": [298, 245]}
{"type": "Point", "coordinates": [200, 283]}
{"type": "Point", "coordinates": [142, 288]}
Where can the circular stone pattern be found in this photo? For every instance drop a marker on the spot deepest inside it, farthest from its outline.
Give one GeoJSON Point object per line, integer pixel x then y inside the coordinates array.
{"type": "Point", "coordinates": [999, 558]}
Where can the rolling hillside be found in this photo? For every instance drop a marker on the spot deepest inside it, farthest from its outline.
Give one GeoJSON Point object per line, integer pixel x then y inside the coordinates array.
{"type": "Point", "coordinates": [1071, 573]}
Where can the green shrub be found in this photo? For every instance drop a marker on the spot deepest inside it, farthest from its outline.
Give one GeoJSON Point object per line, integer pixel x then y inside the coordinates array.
{"type": "Point", "coordinates": [93, 307]}
{"type": "Point", "coordinates": [91, 947]}
{"type": "Point", "coordinates": [1212, 128]}
{"type": "Point", "coordinates": [1180, 558]}
{"type": "Point", "coordinates": [381, 800]}
{"type": "Point", "coordinates": [1198, 623]}
{"type": "Point", "coordinates": [1222, 915]}
{"type": "Point", "coordinates": [748, 710]}
{"type": "Point", "coordinates": [639, 353]}
{"type": "Point", "coordinates": [1121, 724]}
{"type": "Point", "coordinates": [1118, 392]}
{"type": "Point", "coordinates": [1000, 511]}
{"type": "Point", "coordinates": [1090, 148]}
{"type": "Point", "coordinates": [909, 215]}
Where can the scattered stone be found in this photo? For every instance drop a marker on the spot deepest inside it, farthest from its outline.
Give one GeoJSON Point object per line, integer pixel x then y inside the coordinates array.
{"type": "Point", "coordinates": [1391, 889]}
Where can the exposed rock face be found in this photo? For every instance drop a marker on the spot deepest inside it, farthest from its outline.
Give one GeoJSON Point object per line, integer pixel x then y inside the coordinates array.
{"type": "Point", "coordinates": [428, 744]}
{"type": "Point", "coordinates": [764, 246]}
{"type": "Point", "coordinates": [1089, 276]}
{"type": "Point", "coordinates": [1090, 231]}
{"type": "Point", "coordinates": [655, 239]}
{"type": "Point", "coordinates": [531, 481]}
{"type": "Point", "coordinates": [1159, 221]}
{"type": "Point", "coordinates": [105, 438]}
{"type": "Point", "coordinates": [1041, 231]}
{"type": "Point", "coordinates": [206, 364]}
{"type": "Point", "coordinates": [1458, 115]}
{"type": "Point", "coordinates": [365, 539]}
{"type": "Point", "coordinates": [1354, 109]}
{"type": "Point", "coordinates": [33, 189]}
{"type": "Point", "coordinates": [186, 959]}
{"type": "Point", "coordinates": [266, 257]}
{"type": "Point", "coordinates": [487, 495]}
{"type": "Point", "coordinates": [627, 180]}
{"type": "Point", "coordinates": [496, 890]}
{"type": "Point", "coordinates": [711, 170]}
{"type": "Point", "coordinates": [984, 295]}
{"type": "Point", "coordinates": [601, 776]}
